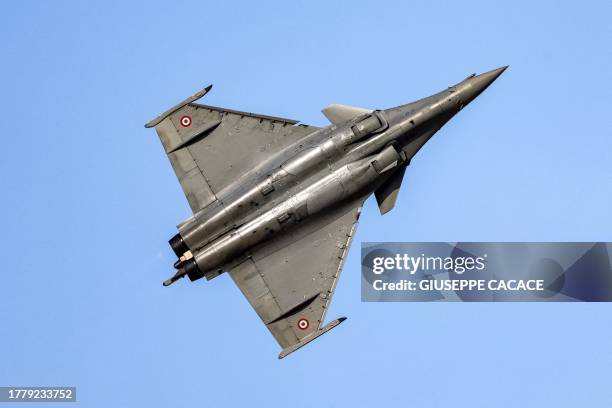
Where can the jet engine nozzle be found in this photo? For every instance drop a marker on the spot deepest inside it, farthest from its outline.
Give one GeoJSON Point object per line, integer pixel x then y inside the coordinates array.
{"type": "Point", "coordinates": [179, 247]}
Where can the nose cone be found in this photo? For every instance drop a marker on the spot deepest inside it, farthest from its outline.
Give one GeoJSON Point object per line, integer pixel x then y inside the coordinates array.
{"type": "Point", "coordinates": [439, 108]}
{"type": "Point", "coordinates": [472, 87]}
{"type": "Point", "coordinates": [482, 81]}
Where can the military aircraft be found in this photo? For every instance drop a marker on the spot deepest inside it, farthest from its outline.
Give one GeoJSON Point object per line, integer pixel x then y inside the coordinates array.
{"type": "Point", "coordinates": [275, 202]}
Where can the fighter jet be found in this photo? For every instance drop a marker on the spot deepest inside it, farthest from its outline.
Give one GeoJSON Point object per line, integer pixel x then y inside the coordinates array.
{"type": "Point", "coordinates": [275, 203]}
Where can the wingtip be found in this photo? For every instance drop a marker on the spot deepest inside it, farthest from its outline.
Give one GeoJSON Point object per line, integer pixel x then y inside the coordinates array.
{"type": "Point", "coordinates": [192, 98]}
{"type": "Point", "coordinates": [201, 93]}
{"type": "Point", "coordinates": [311, 337]}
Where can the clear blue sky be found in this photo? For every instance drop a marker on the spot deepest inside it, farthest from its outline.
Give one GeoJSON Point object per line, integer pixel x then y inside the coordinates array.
{"type": "Point", "coordinates": [89, 199]}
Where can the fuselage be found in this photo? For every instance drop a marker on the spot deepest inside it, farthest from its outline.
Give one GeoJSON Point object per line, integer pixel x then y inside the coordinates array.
{"type": "Point", "coordinates": [341, 162]}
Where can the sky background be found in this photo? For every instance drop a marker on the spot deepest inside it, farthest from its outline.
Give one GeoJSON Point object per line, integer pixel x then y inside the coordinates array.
{"type": "Point", "coordinates": [89, 200]}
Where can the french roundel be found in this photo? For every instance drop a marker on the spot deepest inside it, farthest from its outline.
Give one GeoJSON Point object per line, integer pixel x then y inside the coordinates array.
{"type": "Point", "coordinates": [302, 324]}
{"type": "Point", "coordinates": [185, 121]}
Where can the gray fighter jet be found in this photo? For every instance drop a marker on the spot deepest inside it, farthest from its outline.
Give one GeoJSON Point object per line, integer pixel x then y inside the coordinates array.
{"type": "Point", "coordinates": [275, 203]}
